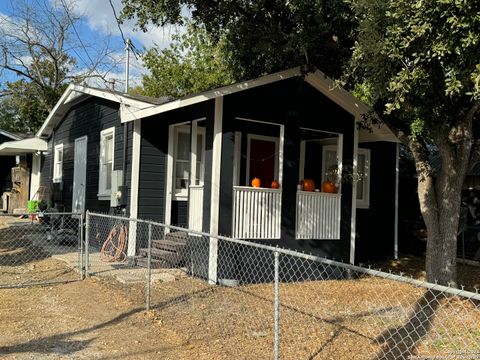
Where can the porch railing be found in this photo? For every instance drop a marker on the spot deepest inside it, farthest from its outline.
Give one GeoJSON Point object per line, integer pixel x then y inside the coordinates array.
{"type": "Point", "coordinates": [195, 208]}
{"type": "Point", "coordinates": [256, 213]}
{"type": "Point", "coordinates": [318, 215]}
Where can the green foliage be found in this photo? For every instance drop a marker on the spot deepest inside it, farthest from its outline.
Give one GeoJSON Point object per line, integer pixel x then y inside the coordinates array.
{"type": "Point", "coordinates": [263, 36]}
{"type": "Point", "coordinates": [193, 63]}
{"type": "Point", "coordinates": [420, 59]}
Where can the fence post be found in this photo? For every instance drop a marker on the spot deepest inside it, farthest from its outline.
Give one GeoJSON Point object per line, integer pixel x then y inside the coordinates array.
{"type": "Point", "coordinates": [149, 268]}
{"type": "Point", "coordinates": [87, 238]}
{"type": "Point", "coordinates": [82, 259]}
{"type": "Point", "coordinates": [276, 314]}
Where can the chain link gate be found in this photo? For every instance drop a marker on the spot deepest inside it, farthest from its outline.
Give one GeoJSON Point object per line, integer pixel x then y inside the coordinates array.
{"type": "Point", "coordinates": [39, 249]}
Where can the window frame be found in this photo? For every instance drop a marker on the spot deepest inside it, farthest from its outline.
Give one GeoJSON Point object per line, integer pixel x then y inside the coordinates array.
{"type": "Point", "coordinates": [58, 175]}
{"type": "Point", "coordinates": [364, 203]}
{"type": "Point", "coordinates": [183, 194]}
{"type": "Point", "coordinates": [103, 192]}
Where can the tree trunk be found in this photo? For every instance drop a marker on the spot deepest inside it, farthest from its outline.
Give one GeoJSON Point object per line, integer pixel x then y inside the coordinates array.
{"type": "Point", "coordinates": [440, 200]}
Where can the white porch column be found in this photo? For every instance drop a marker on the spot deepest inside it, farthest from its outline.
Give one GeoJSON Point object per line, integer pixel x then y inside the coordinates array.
{"type": "Point", "coordinates": [353, 223]}
{"type": "Point", "coordinates": [215, 189]}
{"type": "Point", "coordinates": [397, 172]}
{"type": "Point", "coordinates": [35, 175]}
{"type": "Point", "coordinates": [136, 141]}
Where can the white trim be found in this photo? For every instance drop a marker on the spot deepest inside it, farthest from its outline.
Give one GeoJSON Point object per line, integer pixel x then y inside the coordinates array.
{"type": "Point", "coordinates": [136, 149]}
{"type": "Point", "coordinates": [365, 202]}
{"type": "Point", "coordinates": [340, 162]}
{"type": "Point", "coordinates": [35, 175]}
{"type": "Point", "coordinates": [353, 224]}
{"type": "Point", "coordinates": [75, 93]}
{"type": "Point", "coordinates": [301, 165]}
{"type": "Point", "coordinates": [26, 146]}
{"type": "Point", "coordinates": [215, 190]}
{"type": "Point", "coordinates": [215, 93]}
{"type": "Point", "coordinates": [193, 152]}
{"type": "Point", "coordinates": [280, 154]}
{"type": "Point", "coordinates": [103, 192]}
{"type": "Point", "coordinates": [273, 139]}
{"type": "Point", "coordinates": [397, 178]}
{"type": "Point", "coordinates": [57, 177]}
{"type": "Point", "coordinates": [169, 175]}
{"type": "Point", "coordinates": [237, 158]}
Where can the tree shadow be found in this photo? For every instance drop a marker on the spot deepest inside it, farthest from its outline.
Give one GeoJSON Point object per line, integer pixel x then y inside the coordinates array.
{"type": "Point", "coordinates": [401, 342]}
{"type": "Point", "coordinates": [62, 345]}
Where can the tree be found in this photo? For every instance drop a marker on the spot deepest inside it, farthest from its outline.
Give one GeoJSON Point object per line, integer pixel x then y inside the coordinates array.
{"type": "Point", "coordinates": [39, 47]}
{"type": "Point", "coordinates": [420, 61]}
{"type": "Point", "coordinates": [191, 64]}
{"type": "Point", "coordinates": [262, 36]}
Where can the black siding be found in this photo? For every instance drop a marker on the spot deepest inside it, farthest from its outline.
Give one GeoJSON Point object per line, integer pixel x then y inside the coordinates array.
{"type": "Point", "coordinates": [88, 118]}
{"type": "Point", "coordinates": [375, 225]}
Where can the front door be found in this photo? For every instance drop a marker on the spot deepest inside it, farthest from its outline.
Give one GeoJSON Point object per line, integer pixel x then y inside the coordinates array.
{"type": "Point", "coordinates": [79, 174]}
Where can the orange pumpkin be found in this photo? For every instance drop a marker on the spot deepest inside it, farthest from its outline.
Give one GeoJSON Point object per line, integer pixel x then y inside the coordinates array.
{"type": "Point", "coordinates": [256, 182]}
{"type": "Point", "coordinates": [308, 185]}
{"type": "Point", "coordinates": [329, 187]}
{"type": "Point", "coordinates": [275, 184]}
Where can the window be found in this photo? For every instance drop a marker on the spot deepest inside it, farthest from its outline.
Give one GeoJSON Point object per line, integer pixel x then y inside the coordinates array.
{"type": "Point", "coordinates": [58, 163]}
{"type": "Point", "coordinates": [107, 139]}
{"type": "Point", "coordinates": [363, 184]}
{"type": "Point", "coordinates": [182, 164]}
{"type": "Point", "coordinates": [329, 161]}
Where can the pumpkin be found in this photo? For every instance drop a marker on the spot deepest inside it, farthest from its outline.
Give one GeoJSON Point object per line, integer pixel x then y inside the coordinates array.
{"type": "Point", "coordinates": [275, 184]}
{"type": "Point", "coordinates": [308, 185]}
{"type": "Point", "coordinates": [329, 187]}
{"type": "Point", "coordinates": [256, 182]}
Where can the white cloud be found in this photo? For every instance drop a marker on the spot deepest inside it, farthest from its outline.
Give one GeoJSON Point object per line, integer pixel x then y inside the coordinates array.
{"type": "Point", "coordinates": [100, 18]}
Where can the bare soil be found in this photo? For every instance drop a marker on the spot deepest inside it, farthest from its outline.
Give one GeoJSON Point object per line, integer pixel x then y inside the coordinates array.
{"type": "Point", "coordinates": [365, 318]}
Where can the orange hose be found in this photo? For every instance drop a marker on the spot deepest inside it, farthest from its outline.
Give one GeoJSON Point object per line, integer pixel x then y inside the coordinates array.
{"type": "Point", "coordinates": [116, 240]}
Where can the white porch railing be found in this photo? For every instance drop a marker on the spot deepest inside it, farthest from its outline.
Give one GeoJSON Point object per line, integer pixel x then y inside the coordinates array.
{"type": "Point", "coordinates": [318, 215]}
{"type": "Point", "coordinates": [195, 208]}
{"type": "Point", "coordinates": [256, 213]}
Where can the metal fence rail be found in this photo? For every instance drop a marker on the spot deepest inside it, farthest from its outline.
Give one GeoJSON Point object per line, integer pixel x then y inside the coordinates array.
{"type": "Point", "coordinates": [249, 300]}
{"type": "Point", "coordinates": [43, 248]}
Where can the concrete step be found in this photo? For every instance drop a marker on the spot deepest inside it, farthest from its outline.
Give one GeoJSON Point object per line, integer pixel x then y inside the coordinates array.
{"type": "Point", "coordinates": [169, 245]}
{"type": "Point", "coordinates": [155, 263]}
{"type": "Point", "coordinates": [172, 258]}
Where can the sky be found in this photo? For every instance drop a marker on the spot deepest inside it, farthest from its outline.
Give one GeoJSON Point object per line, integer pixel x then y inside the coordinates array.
{"type": "Point", "coordinates": [99, 27]}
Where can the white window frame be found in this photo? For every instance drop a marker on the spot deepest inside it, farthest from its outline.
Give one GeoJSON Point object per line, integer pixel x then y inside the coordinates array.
{"type": "Point", "coordinates": [273, 139]}
{"type": "Point", "coordinates": [103, 192]}
{"type": "Point", "coordinates": [181, 195]}
{"type": "Point", "coordinates": [58, 164]}
{"type": "Point", "coordinates": [363, 203]}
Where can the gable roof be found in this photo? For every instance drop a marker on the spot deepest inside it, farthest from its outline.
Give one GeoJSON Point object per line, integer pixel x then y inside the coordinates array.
{"type": "Point", "coordinates": [74, 94]}
{"type": "Point", "coordinates": [316, 79]}
{"type": "Point", "coordinates": [10, 135]}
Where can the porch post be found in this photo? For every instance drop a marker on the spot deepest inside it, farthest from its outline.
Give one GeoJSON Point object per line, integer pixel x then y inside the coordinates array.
{"type": "Point", "coordinates": [136, 142]}
{"type": "Point", "coordinates": [215, 190]}
{"type": "Point", "coordinates": [397, 172]}
{"type": "Point", "coordinates": [353, 224]}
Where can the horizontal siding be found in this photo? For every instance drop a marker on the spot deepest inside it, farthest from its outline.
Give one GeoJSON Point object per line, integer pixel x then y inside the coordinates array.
{"type": "Point", "coordinates": [88, 118]}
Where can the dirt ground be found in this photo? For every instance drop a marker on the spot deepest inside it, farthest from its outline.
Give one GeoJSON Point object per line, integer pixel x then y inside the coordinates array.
{"type": "Point", "coordinates": [340, 319]}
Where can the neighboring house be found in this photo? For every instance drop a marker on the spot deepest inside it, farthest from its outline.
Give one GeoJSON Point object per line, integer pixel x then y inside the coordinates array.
{"type": "Point", "coordinates": [7, 162]}
{"type": "Point", "coordinates": [194, 159]}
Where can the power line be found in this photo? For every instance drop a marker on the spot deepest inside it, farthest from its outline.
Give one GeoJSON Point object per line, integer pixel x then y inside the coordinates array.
{"type": "Point", "coordinates": [135, 51]}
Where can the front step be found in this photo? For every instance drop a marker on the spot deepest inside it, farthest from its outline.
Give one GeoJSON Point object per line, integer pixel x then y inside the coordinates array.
{"type": "Point", "coordinates": [172, 258]}
{"type": "Point", "coordinates": [155, 263]}
{"type": "Point", "coordinates": [169, 245]}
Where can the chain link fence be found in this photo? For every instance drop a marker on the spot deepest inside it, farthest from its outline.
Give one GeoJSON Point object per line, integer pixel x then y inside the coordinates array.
{"type": "Point", "coordinates": [238, 299]}
{"type": "Point", "coordinates": [40, 248]}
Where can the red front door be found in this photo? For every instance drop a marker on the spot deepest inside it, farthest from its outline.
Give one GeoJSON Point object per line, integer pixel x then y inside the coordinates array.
{"type": "Point", "coordinates": [262, 161]}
